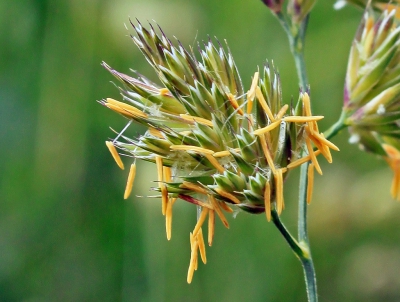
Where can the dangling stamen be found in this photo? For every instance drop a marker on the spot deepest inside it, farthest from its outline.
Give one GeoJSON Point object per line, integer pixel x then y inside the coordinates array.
{"type": "Point", "coordinates": [211, 225]}
{"type": "Point", "coordinates": [129, 183]}
{"type": "Point", "coordinates": [279, 191]}
{"type": "Point", "coordinates": [200, 221]}
{"type": "Point", "coordinates": [115, 154]}
{"type": "Point", "coordinates": [267, 201]}
{"type": "Point", "coordinates": [322, 147]}
{"type": "Point", "coordinates": [218, 211]}
{"type": "Point", "coordinates": [302, 160]}
{"type": "Point", "coordinates": [267, 154]}
{"type": "Point", "coordinates": [325, 141]}
{"type": "Point", "coordinates": [225, 207]}
{"type": "Point", "coordinates": [202, 247]}
{"type": "Point", "coordinates": [193, 258]}
{"type": "Point", "coordinates": [168, 218]}
{"type": "Point", "coordinates": [161, 185]}
{"type": "Point", "coordinates": [312, 156]}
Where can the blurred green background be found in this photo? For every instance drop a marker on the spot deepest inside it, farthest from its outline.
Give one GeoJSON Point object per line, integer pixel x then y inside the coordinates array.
{"type": "Point", "coordinates": [66, 234]}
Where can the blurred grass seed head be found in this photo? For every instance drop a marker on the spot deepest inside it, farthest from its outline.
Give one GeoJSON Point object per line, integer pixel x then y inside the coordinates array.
{"type": "Point", "coordinates": [372, 89]}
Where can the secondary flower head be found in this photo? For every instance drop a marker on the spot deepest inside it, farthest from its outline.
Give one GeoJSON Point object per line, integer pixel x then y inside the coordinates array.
{"type": "Point", "coordinates": [299, 9]}
{"type": "Point", "coordinates": [296, 10]}
{"type": "Point", "coordinates": [274, 5]}
{"type": "Point", "coordinates": [214, 145]}
{"type": "Point", "coordinates": [379, 5]}
{"type": "Point", "coordinates": [372, 87]}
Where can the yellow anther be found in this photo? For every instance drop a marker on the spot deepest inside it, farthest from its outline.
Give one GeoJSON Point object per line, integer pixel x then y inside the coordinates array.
{"type": "Point", "coordinates": [155, 132]}
{"type": "Point", "coordinates": [312, 156]}
{"type": "Point", "coordinates": [201, 220]}
{"type": "Point", "coordinates": [302, 119]}
{"type": "Point", "coordinates": [234, 103]}
{"type": "Point", "coordinates": [211, 225]}
{"type": "Point", "coordinates": [267, 153]}
{"type": "Point", "coordinates": [164, 91]}
{"type": "Point", "coordinates": [282, 112]}
{"type": "Point", "coordinates": [252, 91]}
{"type": "Point", "coordinates": [191, 148]}
{"type": "Point", "coordinates": [302, 160]}
{"type": "Point", "coordinates": [168, 218]}
{"type": "Point", "coordinates": [196, 119]}
{"type": "Point", "coordinates": [227, 195]}
{"type": "Point", "coordinates": [225, 207]}
{"type": "Point", "coordinates": [325, 141]}
{"type": "Point", "coordinates": [215, 163]}
{"type": "Point", "coordinates": [193, 258]}
{"type": "Point", "coordinates": [221, 154]}
{"type": "Point", "coordinates": [217, 209]}
{"type": "Point", "coordinates": [124, 108]}
{"type": "Point", "coordinates": [267, 128]}
{"type": "Point", "coordinates": [279, 191]}
{"type": "Point", "coordinates": [115, 154]}
{"type": "Point", "coordinates": [264, 104]}
{"type": "Point", "coordinates": [202, 247]}
{"type": "Point", "coordinates": [267, 201]}
{"type": "Point", "coordinates": [193, 187]}
{"type": "Point", "coordinates": [129, 183]}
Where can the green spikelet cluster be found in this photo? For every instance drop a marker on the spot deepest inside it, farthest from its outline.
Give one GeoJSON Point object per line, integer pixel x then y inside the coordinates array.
{"type": "Point", "coordinates": [214, 145]}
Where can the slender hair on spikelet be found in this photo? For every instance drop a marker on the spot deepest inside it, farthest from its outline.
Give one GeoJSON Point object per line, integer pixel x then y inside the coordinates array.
{"type": "Point", "coordinates": [214, 145]}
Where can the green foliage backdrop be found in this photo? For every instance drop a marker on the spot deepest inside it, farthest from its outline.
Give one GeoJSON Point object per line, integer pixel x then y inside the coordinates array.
{"type": "Point", "coordinates": [66, 234]}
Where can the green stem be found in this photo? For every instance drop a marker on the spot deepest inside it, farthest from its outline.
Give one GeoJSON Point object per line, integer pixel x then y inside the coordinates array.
{"type": "Point", "coordinates": [294, 245]}
{"type": "Point", "coordinates": [336, 127]}
{"type": "Point", "coordinates": [296, 37]}
{"type": "Point", "coordinates": [302, 211]}
{"type": "Point", "coordinates": [302, 251]}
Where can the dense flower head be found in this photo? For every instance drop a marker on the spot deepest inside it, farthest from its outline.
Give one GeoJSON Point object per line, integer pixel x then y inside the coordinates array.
{"type": "Point", "coordinates": [372, 87]}
{"type": "Point", "coordinates": [214, 145]}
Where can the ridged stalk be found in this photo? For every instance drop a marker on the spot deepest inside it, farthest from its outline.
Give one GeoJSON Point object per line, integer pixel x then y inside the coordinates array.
{"type": "Point", "coordinates": [296, 41]}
